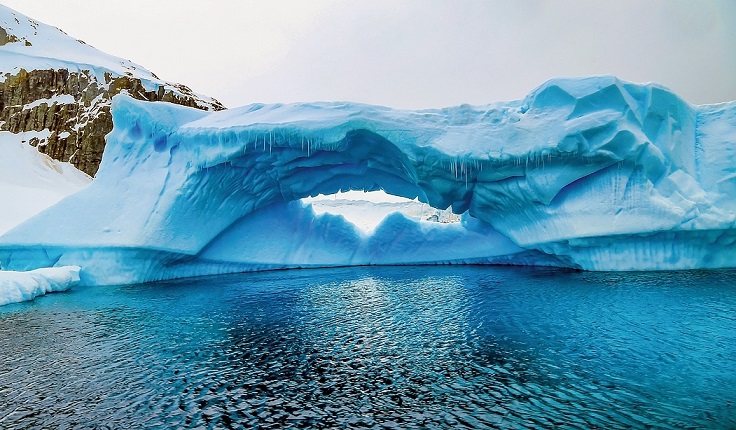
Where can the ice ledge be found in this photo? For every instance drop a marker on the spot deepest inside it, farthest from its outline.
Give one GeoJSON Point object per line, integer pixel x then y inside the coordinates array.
{"type": "Point", "coordinates": [18, 287]}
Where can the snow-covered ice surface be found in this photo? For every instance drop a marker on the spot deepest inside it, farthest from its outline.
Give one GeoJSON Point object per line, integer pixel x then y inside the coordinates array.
{"type": "Point", "coordinates": [31, 181]}
{"type": "Point", "coordinates": [18, 287]}
{"type": "Point", "coordinates": [591, 173]}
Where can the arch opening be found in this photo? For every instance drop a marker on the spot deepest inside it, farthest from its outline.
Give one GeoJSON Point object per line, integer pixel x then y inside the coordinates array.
{"type": "Point", "coordinates": [368, 209]}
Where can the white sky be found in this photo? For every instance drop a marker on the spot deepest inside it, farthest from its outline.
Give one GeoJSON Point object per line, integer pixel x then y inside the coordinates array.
{"type": "Point", "coordinates": [407, 54]}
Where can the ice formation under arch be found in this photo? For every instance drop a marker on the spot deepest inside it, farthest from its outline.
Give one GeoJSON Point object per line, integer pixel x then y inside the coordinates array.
{"type": "Point", "coordinates": [591, 173]}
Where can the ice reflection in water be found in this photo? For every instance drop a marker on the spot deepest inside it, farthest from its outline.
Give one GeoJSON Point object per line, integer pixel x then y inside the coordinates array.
{"type": "Point", "coordinates": [428, 347]}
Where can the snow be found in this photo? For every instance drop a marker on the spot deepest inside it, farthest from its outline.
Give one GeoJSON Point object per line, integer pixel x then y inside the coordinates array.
{"type": "Point", "coordinates": [591, 173]}
{"type": "Point", "coordinates": [30, 181]}
{"type": "Point", "coordinates": [18, 287]}
{"type": "Point", "coordinates": [43, 47]}
{"type": "Point", "coordinates": [63, 99]}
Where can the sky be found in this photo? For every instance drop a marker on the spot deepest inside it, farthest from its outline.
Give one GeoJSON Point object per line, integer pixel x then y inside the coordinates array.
{"type": "Point", "coordinates": [407, 53]}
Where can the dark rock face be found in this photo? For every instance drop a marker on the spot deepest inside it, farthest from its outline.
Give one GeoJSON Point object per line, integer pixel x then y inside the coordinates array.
{"type": "Point", "coordinates": [75, 108]}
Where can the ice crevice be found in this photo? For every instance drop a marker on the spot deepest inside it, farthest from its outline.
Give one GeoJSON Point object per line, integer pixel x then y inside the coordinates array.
{"type": "Point", "coordinates": [592, 173]}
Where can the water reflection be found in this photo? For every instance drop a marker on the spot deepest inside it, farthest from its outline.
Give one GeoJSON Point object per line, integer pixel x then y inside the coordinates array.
{"type": "Point", "coordinates": [428, 347]}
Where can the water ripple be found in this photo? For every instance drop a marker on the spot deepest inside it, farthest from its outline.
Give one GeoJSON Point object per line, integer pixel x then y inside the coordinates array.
{"type": "Point", "coordinates": [411, 347]}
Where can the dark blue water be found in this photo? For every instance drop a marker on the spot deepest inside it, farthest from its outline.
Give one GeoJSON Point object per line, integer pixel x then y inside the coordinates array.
{"type": "Point", "coordinates": [396, 347]}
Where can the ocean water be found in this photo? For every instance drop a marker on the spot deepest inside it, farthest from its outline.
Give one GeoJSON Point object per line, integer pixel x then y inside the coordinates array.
{"type": "Point", "coordinates": [379, 347]}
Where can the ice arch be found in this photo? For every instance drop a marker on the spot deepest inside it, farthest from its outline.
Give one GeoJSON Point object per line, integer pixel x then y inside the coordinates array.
{"type": "Point", "coordinates": [590, 173]}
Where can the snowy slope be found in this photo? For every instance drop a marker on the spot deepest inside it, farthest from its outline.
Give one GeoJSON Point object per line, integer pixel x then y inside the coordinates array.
{"type": "Point", "coordinates": [591, 173]}
{"type": "Point", "coordinates": [30, 181]}
{"type": "Point", "coordinates": [33, 45]}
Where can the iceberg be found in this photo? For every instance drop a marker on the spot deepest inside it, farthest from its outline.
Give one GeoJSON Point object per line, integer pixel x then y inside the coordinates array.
{"type": "Point", "coordinates": [587, 173]}
{"type": "Point", "coordinates": [18, 287]}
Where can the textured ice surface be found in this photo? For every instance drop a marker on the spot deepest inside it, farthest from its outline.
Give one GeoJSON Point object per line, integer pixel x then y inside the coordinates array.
{"type": "Point", "coordinates": [23, 286]}
{"type": "Point", "coordinates": [590, 173]}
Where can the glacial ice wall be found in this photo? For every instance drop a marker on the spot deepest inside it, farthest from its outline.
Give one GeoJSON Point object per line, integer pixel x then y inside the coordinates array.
{"type": "Point", "coordinates": [591, 173]}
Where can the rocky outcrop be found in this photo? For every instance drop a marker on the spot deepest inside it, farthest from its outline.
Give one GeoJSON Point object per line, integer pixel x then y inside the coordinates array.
{"type": "Point", "coordinates": [74, 109]}
{"type": "Point", "coordinates": [55, 90]}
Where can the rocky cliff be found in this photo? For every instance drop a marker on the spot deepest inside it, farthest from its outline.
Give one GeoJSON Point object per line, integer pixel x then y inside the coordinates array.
{"type": "Point", "coordinates": [72, 110]}
{"type": "Point", "coordinates": [55, 91]}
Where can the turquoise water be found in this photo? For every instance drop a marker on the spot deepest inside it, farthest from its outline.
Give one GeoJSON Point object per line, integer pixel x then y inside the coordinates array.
{"type": "Point", "coordinates": [390, 347]}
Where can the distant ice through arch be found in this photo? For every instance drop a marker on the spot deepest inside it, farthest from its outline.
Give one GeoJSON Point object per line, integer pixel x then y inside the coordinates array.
{"type": "Point", "coordinates": [366, 210]}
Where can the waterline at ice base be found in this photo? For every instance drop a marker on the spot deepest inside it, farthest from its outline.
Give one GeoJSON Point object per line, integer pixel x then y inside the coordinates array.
{"type": "Point", "coordinates": [589, 173]}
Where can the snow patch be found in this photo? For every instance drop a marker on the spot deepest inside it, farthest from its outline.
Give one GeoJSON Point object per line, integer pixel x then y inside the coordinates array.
{"type": "Point", "coordinates": [63, 99]}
